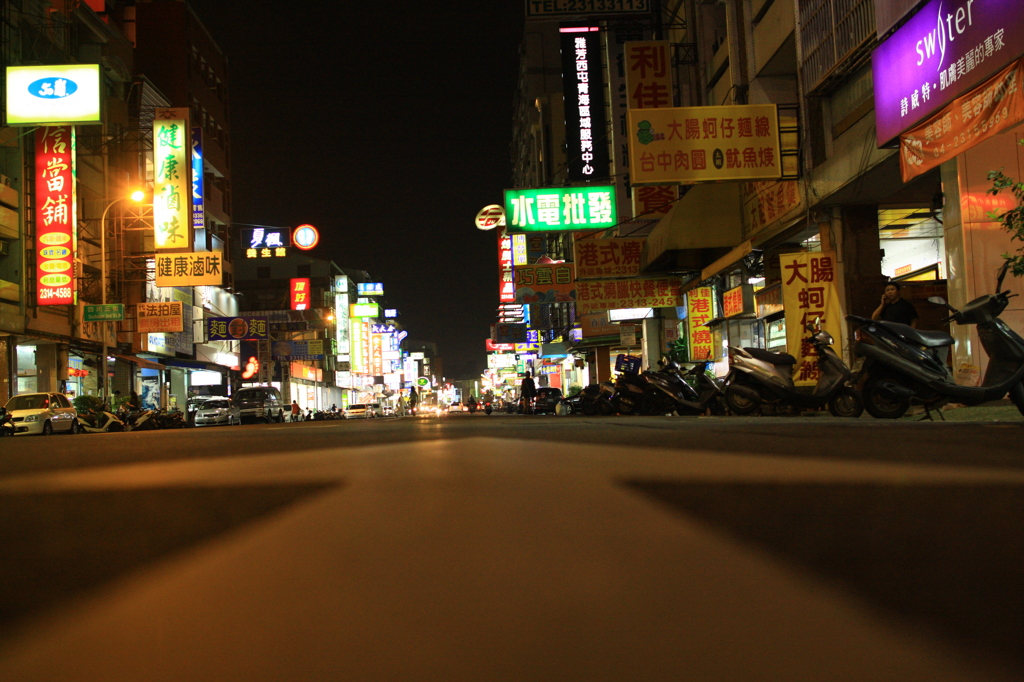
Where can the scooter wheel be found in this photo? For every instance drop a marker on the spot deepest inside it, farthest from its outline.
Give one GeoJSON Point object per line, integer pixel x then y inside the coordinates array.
{"type": "Point", "coordinates": [739, 401]}
{"type": "Point", "coordinates": [846, 403]}
{"type": "Point", "coordinates": [879, 405]}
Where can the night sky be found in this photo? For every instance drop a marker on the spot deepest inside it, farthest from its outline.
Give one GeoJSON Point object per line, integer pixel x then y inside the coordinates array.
{"type": "Point", "coordinates": [386, 125]}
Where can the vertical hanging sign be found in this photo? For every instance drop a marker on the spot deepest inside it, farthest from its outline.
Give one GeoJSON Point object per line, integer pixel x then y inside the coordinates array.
{"type": "Point", "coordinates": [809, 293]}
{"type": "Point", "coordinates": [506, 282]}
{"type": "Point", "coordinates": [55, 215]}
{"type": "Point", "coordinates": [586, 127]}
{"type": "Point", "coordinates": [300, 293]}
{"type": "Point", "coordinates": [198, 191]}
{"type": "Point", "coordinates": [171, 163]}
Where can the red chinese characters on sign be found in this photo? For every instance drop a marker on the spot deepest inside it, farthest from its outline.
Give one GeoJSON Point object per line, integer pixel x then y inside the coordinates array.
{"type": "Point", "coordinates": [598, 295]}
{"type": "Point", "coordinates": [159, 317]}
{"type": "Point", "coordinates": [608, 257]}
{"type": "Point", "coordinates": [732, 302]}
{"type": "Point", "coordinates": [654, 201]}
{"type": "Point", "coordinates": [700, 311]}
{"type": "Point", "coordinates": [809, 294]}
{"type": "Point", "coordinates": [55, 216]}
{"type": "Point", "coordinates": [300, 293]}
{"type": "Point", "coordinates": [648, 74]}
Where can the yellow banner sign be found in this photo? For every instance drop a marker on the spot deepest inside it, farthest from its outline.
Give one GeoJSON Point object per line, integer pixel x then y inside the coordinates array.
{"type": "Point", "coordinates": [189, 269]}
{"type": "Point", "coordinates": [172, 190]}
{"type": "Point", "coordinates": [809, 293]}
{"type": "Point", "coordinates": [688, 145]}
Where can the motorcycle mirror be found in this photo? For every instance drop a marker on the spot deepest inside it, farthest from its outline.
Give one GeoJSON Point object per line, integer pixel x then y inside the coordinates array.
{"type": "Point", "coordinates": [1002, 274]}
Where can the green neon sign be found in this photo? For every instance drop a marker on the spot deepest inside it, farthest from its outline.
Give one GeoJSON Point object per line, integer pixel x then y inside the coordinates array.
{"type": "Point", "coordinates": [560, 208]}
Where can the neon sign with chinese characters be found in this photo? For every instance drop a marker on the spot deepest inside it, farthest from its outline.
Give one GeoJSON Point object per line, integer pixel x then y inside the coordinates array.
{"type": "Point", "coordinates": [55, 215]}
{"type": "Point", "coordinates": [300, 293]}
{"type": "Point", "coordinates": [172, 206]}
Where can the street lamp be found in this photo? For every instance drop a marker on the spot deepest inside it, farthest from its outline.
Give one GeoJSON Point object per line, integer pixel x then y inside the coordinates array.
{"type": "Point", "coordinates": [136, 196]}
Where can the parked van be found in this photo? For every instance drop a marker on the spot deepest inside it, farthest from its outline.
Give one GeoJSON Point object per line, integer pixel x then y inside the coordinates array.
{"type": "Point", "coordinates": [259, 403]}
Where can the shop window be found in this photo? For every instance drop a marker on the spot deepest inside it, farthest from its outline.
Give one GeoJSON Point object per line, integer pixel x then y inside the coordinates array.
{"type": "Point", "coordinates": [912, 245]}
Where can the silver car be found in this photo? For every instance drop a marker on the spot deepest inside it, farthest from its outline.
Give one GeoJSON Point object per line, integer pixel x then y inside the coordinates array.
{"type": "Point", "coordinates": [42, 414]}
{"type": "Point", "coordinates": [217, 411]}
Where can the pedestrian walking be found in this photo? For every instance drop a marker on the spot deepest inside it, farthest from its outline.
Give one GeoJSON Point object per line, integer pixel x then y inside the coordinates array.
{"type": "Point", "coordinates": [527, 392]}
{"type": "Point", "coordinates": [295, 411]}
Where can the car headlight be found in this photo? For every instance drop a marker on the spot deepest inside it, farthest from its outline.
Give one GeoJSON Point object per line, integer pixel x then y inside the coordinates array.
{"type": "Point", "coordinates": [32, 418]}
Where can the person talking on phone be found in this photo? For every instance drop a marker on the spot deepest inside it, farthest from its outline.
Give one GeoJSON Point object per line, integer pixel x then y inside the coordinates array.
{"type": "Point", "coordinates": [895, 308]}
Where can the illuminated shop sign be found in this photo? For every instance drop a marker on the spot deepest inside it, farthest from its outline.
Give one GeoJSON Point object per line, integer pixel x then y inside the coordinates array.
{"type": "Point", "coordinates": [390, 313]}
{"type": "Point", "coordinates": [305, 237]}
{"type": "Point", "coordinates": [943, 51]}
{"type": "Point", "coordinates": [704, 144]}
{"type": "Point", "coordinates": [55, 215]}
{"type": "Point", "coordinates": [202, 268]}
{"type": "Point", "coordinates": [300, 294]}
{"type": "Point", "coordinates": [265, 242]}
{"type": "Point", "coordinates": [370, 288]}
{"type": "Point", "coordinates": [53, 95]}
{"type": "Point", "coordinates": [159, 317]}
{"type": "Point", "coordinates": [198, 190]}
{"type": "Point", "coordinates": [172, 207]}
{"type": "Point", "coordinates": [560, 208]}
{"type": "Point", "coordinates": [585, 124]}
{"type": "Point", "coordinates": [506, 285]}
{"type": "Point", "coordinates": [236, 328]}
{"type": "Point", "coordinates": [550, 9]}
{"type": "Point", "coordinates": [364, 310]}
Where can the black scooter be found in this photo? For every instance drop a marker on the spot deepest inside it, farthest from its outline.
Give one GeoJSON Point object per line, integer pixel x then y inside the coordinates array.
{"type": "Point", "coordinates": [904, 365]}
{"type": "Point", "coordinates": [687, 393]}
{"type": "Point", "coordinates": [758, 377]}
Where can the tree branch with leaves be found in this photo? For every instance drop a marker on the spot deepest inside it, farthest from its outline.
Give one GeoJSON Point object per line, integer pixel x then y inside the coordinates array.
{"type": "Point", "coordinates": [1013, 219]}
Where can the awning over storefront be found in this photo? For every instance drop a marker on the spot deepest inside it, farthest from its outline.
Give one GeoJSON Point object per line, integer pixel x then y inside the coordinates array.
{"type": "Point", "coordinates": [700, 228]}
{"type": "Point", "coordinates": [194, 364]}
{"type": "Point", "coordinates": [725, 262]}
{"type": "Point", "coordinates": [141, 362]}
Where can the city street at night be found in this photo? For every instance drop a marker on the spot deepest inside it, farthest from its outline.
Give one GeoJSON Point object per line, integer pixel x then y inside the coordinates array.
{"type": "Point", "coordinates": [509, 547]}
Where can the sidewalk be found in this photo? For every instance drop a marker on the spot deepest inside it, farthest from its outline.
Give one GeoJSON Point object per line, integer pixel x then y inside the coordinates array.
{"type": "Point", "coordinates": [994, 411]}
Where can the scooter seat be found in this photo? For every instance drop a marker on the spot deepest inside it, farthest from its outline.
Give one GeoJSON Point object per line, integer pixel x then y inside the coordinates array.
{"type": "Point", "coordinates": [927, 339]}
{"type": "Point", "coordinates": [774, 358]}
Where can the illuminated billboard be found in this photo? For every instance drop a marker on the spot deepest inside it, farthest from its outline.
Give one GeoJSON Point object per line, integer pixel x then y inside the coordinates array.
{"type": "Point", "coordinates": [265, 242]}
{"type": "Point", "coordinates": [172, 206]}
{"type": "Point", "coordinates": [560, 208]}
{"type": "Point", "coordinates": [300, 294]}
{"type": "Point", "coordinates": [55, 215]}
{"type": "Point", "coordinates": [364, 310]}
{"type": "Point", "coordinates": [53, 95]}
{"type": "Point", "coordinates": [370, 288]}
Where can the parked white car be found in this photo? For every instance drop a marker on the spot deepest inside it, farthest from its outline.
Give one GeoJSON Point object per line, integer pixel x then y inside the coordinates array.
{"type": "Point", "coordinates": [217, 411]}
{"type": "Point", "coordinates": [42, 414]}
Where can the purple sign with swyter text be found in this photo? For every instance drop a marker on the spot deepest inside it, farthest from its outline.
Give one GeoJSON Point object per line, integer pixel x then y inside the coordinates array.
{"type": "Point", "coordinates": [947, 48]}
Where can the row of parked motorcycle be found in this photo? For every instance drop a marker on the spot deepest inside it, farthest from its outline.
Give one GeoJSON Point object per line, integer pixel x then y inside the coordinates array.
{"type": "Point", "coordinates": [900, 366]}
{"type": "Point", "coordinates": [124, 419]}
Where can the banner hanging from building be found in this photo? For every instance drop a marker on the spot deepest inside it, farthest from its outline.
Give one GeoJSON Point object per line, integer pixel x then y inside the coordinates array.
{"type": "Point", "coordinates": [597, 295]}
{"type": "Point", "coordinates": [768, 201]}
{"type": "Point", "coordinates": [688, 145]}
{"type": "Point", "coordinates": [56, 237]}
{"type": "Point", "coordinates": [560, 208]}
{"type": "Point", "coordinates": [700, 309]}
{"type": "Point", "coordinates": [545, 283]}
{"type": "Point", "coordinates": [603, 258]}
{"type": "Point", "coordinates": [159, 317]}
{"type": "Point", "coordinates": [586, 127]}
{"type": "Point", "coordinates": [808, 293]}
{"type": "Point", "coordinates": [986, 111]}
{"type": "Point", "coordinates": [189, 269]}
{"type": "Point", "coordinates": [172, 191]}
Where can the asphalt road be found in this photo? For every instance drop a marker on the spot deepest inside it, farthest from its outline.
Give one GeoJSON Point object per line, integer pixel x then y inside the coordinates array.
{"type": "Point", "coordinates": [518, 548]}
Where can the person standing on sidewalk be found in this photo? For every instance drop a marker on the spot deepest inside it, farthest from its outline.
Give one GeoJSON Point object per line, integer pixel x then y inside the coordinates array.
{"type": "Point", "coordinates": [527, 392]}
{"type": "Point", "coordinates": [895, 308]}
{"type": "Point", "coordinates": [295, 411]}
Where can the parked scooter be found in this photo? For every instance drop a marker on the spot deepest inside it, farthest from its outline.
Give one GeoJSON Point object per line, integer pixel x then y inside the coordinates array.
{"type": "Point", "coordinates": [758, 377]}
{"type": "Point", "coordinates": [904, 365]}
{"type": "Point", "coordinates": [690, 393]}
{"type": "Point", "coordinates": [100, 422]}
{"type": "Point", "coordinates": [7, 427]}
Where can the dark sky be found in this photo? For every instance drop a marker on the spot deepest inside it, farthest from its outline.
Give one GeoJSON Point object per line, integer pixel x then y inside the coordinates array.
{"type": "Point", "coordinates": [387, 125]}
